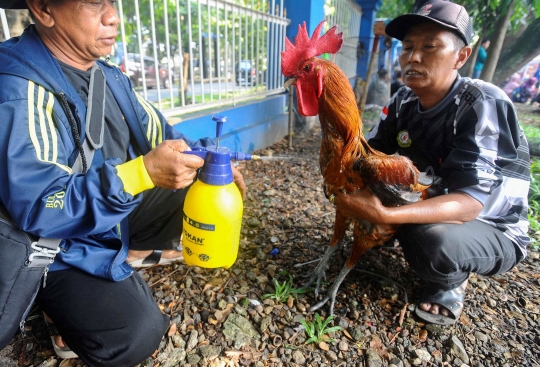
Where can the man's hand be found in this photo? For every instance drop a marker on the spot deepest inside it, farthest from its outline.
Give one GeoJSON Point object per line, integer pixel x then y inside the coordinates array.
{"type": "Point", "coordinates": [361, 204]}
{"type": "Point", "coordinates": [239, 181]}
{"type": "Point", "coordinates": [169, 168]}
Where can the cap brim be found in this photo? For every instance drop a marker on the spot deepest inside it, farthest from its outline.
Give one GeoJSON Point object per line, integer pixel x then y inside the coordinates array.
{"type": "Point", "coordinates": [398, 27]}
{"type": "Point", "coordinates": [13, 4]}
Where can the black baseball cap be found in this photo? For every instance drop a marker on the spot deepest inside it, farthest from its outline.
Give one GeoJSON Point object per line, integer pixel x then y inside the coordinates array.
{"type": "Point", "coordinates": [445, 13]}
{"type": "Point", "coordinates": [13, 4]}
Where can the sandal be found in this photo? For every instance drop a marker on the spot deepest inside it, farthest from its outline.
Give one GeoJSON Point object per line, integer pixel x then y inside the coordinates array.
{"type": "Point", "coordinates": [154, 259]}
{"type": "Point", "coordinates": [61, 352]}
{"type": "Point", "coordinates": [452, 300]}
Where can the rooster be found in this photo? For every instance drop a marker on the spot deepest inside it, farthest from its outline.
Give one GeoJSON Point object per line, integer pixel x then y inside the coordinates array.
{"type": "Point", "coordinates": [347, 162]}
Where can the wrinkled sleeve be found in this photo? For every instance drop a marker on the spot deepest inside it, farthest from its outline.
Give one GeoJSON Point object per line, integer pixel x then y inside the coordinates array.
{"type": "Point", "coordinates": [39, 189]}
{"type": "Point", "coordinates": [486, 139]}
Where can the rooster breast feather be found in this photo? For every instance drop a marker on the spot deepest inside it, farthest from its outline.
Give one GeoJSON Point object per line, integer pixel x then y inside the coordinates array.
{"type": "Point", "coordinates": [393, 179]}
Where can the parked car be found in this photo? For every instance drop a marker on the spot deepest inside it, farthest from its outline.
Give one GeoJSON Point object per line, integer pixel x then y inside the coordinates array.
{"type": "Point", "coordinates": [245, 73]}
{"type": "Point", "coordinates": [134, 71]}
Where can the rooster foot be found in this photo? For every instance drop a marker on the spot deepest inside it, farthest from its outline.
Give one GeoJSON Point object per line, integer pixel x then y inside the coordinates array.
{"type": "Point", "coordinates": [320, 271]}
{"type": "Point", "coordinates": [332, 291]}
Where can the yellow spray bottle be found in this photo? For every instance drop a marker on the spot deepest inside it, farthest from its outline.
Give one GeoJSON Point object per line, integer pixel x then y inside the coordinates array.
{"type": "Point", "coordinates": [213, 209]}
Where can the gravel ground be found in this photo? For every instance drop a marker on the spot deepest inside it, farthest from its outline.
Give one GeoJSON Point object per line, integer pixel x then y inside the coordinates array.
{"type": "Point", "coordinates": [223, 319]}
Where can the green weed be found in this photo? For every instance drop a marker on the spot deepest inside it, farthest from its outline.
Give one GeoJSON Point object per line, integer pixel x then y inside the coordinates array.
{"type": "Point", "coordinates": [282, 291]}
{"type": "Point", "coordinates": [534, 205]}
{"type": "Point", "coordinates": [318, 329]}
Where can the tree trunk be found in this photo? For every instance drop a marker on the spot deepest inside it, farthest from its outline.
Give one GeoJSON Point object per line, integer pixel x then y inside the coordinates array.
{"type": "Point", "coordinates": [518, 50]}
{"type": "Point", "coordinates": [497, 40]}
{"type": "Point", "coordinates": [468, 68]}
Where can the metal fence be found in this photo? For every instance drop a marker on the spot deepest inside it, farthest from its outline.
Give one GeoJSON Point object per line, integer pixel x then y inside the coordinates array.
{"type": "Point", "coordinates": [190, 55]}
{"type": "Point", "coordinates": [346, 14]}
{"type": "Point", "coordinates": [210, 52]}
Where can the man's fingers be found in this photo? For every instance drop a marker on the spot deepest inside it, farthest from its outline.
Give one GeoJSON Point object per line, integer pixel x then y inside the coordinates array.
{"type": "Point", "coordinates": [192, 161]}
{"type": "Point", "coordinates": [178, 145]}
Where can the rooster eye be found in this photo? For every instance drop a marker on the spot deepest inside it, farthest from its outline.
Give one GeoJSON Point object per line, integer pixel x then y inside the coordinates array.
{"type": "Point", "coordinates": [307, 67]}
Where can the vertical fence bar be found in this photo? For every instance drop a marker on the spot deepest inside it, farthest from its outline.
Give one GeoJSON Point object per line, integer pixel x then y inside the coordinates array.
{"type": "Point", "coordinates": [168, 47]}
{"type": "Point", "coordinates": [154, 49]}
{"type": "Point", "coordinates": [253, 64]}
{"type": "Point", "coordinates": [218, 44]}
{"type": "Point", "coordinates": [123, 35]}
{"type": "Point", "coordinates": [192, 76]}
{"type": "Point", "coordinates": [5, 26]}
{"type": "Point", "coordinates": [233, 30]}
{"type": "Point", "coordinates": [210, 58]}
{"type": "Point", "coordinates": [201, 61]}
{"type": "Point", "coordinates": [226, 41]}
{"type": "Point", "coordinates": [181, 92]}
{"type": "Point", "coordinates": [141, 50]}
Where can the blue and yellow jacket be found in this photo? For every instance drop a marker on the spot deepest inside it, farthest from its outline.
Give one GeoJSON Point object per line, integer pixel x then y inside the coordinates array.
{"type": "Point", "coordinates": [37, 150]}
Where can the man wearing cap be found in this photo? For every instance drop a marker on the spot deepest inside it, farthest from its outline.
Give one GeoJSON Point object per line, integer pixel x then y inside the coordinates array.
{"type": "Point", "coordinates": [85, 159]}
{"type": "Point", "coordinates": [475, 220]}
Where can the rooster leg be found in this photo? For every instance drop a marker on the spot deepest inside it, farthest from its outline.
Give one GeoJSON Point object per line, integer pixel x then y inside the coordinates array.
{"type": "Point", "coordinates": [332, 291]}
{"type": "Point", "coordinates": [340, 227]}
{"type": "Point", "coordinates": [319, 271]}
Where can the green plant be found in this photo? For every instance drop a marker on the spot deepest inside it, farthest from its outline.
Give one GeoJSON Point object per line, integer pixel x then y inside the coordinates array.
{"type": "Point", "coordinates": [318, 329]}
{"type": "Point", "coordinates": [283, 291]}
{"type": "Point", "coordinates": [534, 205]}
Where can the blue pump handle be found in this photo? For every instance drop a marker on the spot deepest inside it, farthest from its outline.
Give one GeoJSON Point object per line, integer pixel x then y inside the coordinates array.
{"type": "Point", "coordinates": [219, 124]}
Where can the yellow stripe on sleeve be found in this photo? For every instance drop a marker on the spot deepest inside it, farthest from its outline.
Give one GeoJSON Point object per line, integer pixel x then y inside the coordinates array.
{"type": "Point", "coordinates": [134, 176]}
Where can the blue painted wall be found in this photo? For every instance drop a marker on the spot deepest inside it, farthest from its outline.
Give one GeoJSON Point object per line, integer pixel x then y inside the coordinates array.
{"type": "Point", "coordinates": [369, 9]}
{"type": "Point", "coordinates": [309, 11]}
{"type": "Point", "coordinates": [248, 128]}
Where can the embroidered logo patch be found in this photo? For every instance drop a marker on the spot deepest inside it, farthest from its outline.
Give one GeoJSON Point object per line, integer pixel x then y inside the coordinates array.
{"type": "Point", "coordinates": [403, 139]}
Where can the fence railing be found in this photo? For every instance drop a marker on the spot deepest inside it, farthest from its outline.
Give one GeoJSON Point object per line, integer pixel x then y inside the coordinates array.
{"type": "Point", "coordinates": [191, 55]}
{"type": "Point", "coordinates": [209, 52]}
{"type": "Point", "coordinates": [346, 14]}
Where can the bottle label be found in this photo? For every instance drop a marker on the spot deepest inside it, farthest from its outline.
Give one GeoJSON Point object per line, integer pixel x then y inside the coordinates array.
{"type": "Point", "coordinates": [199, 225]}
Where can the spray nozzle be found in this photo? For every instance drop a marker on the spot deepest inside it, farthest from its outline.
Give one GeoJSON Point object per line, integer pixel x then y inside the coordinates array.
{"type": "Point", "coordinates": [237, 156]}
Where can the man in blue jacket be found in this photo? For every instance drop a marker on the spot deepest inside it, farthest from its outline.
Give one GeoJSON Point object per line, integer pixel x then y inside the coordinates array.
{"type": "Point", "coordinates": [59, 105]}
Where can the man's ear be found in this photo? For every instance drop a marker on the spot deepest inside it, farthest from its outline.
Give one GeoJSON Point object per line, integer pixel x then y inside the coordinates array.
{"type": "Point", "coordinates": [463, 56]}
{"type": "Point", "coordinates": [41, 11]}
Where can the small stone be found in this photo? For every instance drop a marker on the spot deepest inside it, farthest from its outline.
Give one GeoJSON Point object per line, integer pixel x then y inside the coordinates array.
{"type": "Point", "coordinates": [481, 337]}
{"type": "Point", "coordinates": [343, 346]}
{"type": "Point", "coordinates": [193, 359]}
{"type": "Point", "coordinates": [290, 302]}
{"type": "Point", "coordinates": [210, 352]}
{"type": "Point", "coordinates": [423, 355]}
{"type": "Point", "coordinates": [192, 341]}
{"type": "Point", "coordinates": [331, 355]}
{"type": "Point", "coordinates": [324, 346]}
{"type": "Point", "coordinates": [458, 349]}
{"type": "Point", "coordinates": [299, 358]}
{"type": "Point", "coordinates": [373, 359]}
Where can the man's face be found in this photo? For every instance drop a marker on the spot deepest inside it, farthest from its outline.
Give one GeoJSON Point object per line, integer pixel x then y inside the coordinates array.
{"type": "Point", "coordinates": [428, 58]}
{"type": "Point", "coordinates": [84, 30]}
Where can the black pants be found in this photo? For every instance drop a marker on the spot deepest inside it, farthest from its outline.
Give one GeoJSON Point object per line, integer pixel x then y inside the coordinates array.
{"type": "Point", "coordinates": [445, 254]}
{"type": "Point", "coordinates": [116, 324]}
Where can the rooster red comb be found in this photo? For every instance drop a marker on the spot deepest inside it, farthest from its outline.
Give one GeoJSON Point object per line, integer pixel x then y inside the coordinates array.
{"type": "Point", "coordinates": [305, 48]}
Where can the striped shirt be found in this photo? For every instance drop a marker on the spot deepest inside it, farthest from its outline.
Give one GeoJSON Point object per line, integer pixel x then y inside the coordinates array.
{"type": "Point", "coordinates": [473, 141]}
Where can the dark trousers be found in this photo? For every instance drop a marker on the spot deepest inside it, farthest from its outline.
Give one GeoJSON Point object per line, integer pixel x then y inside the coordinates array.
{"type": "Point", "coordinates": [156, 224]}
{"type": "Point", "coordinates": [106, 323]}
{"type": "Point", "coordinates": [116, 324]}
{"type": "Point", "coordinates": [445, 254]}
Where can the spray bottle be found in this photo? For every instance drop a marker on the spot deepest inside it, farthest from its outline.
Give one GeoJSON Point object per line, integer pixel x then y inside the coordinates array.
{"type": "Point", "coordinates": [213, 208]}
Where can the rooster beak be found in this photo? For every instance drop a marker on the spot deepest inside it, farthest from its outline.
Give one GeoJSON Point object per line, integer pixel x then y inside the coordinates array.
{"type": "Point", "coordinates": [289, 82]}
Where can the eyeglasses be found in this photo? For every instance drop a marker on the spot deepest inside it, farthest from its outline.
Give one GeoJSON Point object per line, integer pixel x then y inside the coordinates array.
{"type": "Point", "coordinates": [99, 6]}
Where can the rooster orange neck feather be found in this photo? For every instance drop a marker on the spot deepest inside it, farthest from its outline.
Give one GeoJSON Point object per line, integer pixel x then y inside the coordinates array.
{"type": "Point", "coordinates": [339, 116]}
